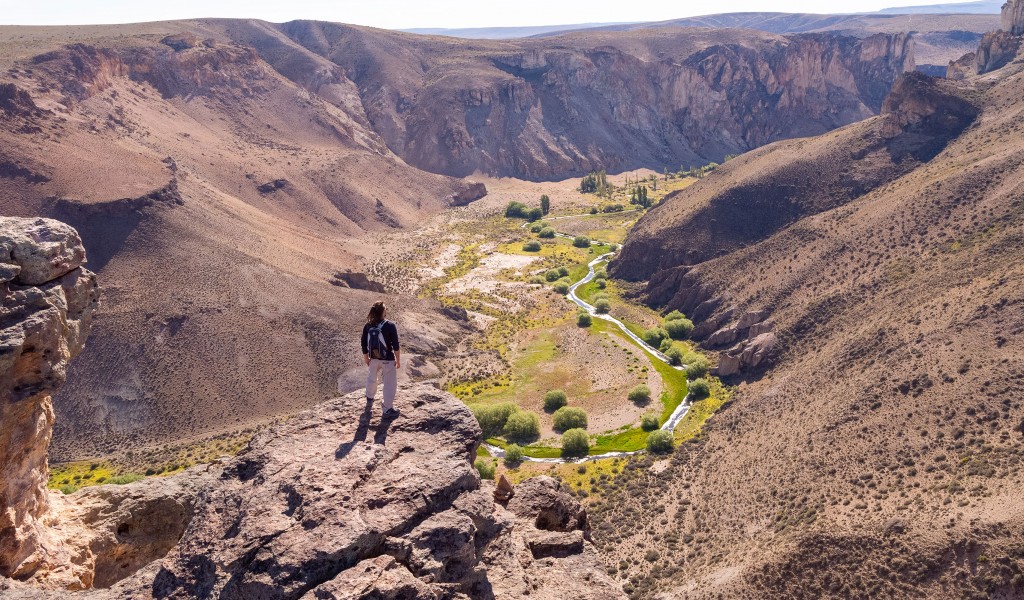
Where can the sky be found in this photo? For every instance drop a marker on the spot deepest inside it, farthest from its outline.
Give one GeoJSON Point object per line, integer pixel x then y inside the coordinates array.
{"type": "Point", "coordinates": [405, 14]}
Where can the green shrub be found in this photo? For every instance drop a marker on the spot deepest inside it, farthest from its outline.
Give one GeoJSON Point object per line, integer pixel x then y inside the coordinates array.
{"type": "Point", "coordinates": [674, 315]}
{"type": "Point", "coordinates": [125, 479]}
{"type": "Point", "coordinates": [697, 367]}
{"type": "Point", "coordinates": [613, 247]}
{"type": "Point", "coordinates": [513, 456]}
{"type": "Point", "coordinates": [675, 356]}
{"type": "Point", "coordinates": [641, 394]}
{"type": "Point", "coordinates": [531, 246]}
{"type": "Point", "coordinates": [602, 306]}
{"type": "Point", "coordinates": [546, 233]}
{"type": "Point", "coordinates": [649, 422]}
{"type": "Point", "coordinates": [551, 275]}
{"type": "Point", "coordinates": [593, 210]}
{"type": "Point", "coordinates": [600, 273]}
{"type": "Point", "coordinates": [545, 203]}
{"type": "Point", "coordinates": [516, 210]}
{"type": "Point", "coordinates": [575, 442]}
{"type": "Point", "coordinates": [569, 417]}
{"type": "Point", "coordinates": [665, 345]}
{"type": "Point", "coordinates": [554, 400]}
{"type": "Point", "coordinates": [562, 287]}
{"type": "Point", "coordinates": [537, 280]}
{"type": "Point", "coordinates": [653, 337]}
{"type": "Point", "coordinates": [536, 227]}
{"type": "Point", "coordinates": [660, 441]}
{"type": "Point", "coordinates": [602, 283]}
{"type": "Point", "coordinates": [522, 426]}
{"type": "Point", "coordinates": [534, 214]}
{"type": "Point", "coordinates": [485, 467]}
{"type": "Point", "coordinates": [679, 329]}
{"type": "Point", "coordinates": [581, 241]}
{"type": "Point", "coordinates": [563, 271]}
{"type": "Point", "coordinates": [700, 389]}
{"type": "Point", "coordinates": [584, 319]}
{"type": "Point", "coordinates": [493, 417]}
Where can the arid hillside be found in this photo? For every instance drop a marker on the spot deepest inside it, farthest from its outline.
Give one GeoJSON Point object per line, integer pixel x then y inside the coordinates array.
{"type": "Point", "coordinates": [217, 200]}
{"type": "Point", "coordinates": [876, 450]}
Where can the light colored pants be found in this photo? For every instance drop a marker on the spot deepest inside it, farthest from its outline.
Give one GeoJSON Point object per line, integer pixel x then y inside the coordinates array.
{"type": "Point", "coordinates": [390, 377]}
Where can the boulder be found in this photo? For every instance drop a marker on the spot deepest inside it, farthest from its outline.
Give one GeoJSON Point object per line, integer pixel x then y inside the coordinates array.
{"type": "Point", "coordinates": [38, 251]}
{"type": "Point", "coordinates": [472, 192]}
{"type": "Point", "coordinates": [757, 351]}
{"type": "Point", "coordinates": [723, 336]}
{"type": "Point", "coordinates": [543, 502]}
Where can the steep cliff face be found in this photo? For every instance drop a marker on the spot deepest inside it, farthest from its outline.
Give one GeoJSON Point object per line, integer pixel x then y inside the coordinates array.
{"type": "Point", "coordinates": [48, 304]}
{"type": "Point", "coordinates": [1013, 17]}
{"type": "Point", "coordinates": [562, 106]}
{"type": "Point", "coordinates": [337, 503]}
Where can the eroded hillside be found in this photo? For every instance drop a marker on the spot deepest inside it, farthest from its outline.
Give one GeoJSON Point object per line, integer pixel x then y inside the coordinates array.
{"type": "Point", "coordinates": [878, 452]}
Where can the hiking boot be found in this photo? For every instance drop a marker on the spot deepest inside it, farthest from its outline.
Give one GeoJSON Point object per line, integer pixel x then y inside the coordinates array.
{"type": "Point", "coordinates": [391, 413]}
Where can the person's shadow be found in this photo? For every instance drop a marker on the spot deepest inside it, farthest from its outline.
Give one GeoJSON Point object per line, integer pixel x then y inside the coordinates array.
{"type": "Point", "coordinates": [380, 436]}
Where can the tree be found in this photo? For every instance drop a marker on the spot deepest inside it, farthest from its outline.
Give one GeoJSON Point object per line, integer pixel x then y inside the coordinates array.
{"type": "Point", "coordinates": [554, 400]}
{"type": "Point", "coordinates": [561, 286]}
{"type": "Point", "coordinates": [675, 356]}
{"type": "Point", "coordinates": [581, 241]}
{"type": "Point", "coordinates": [569, 417]}
{"type": "Point", "coordinates": [546, 233]}
{"type": "Point", "coordinates": [697, 367]}
{"type": "Point", "coordinates": [660, 442]}
{"type": "Point", "coordinates": [679, 329]}
{"type": "Point", "coordinates": [583, 319]}
{"type": "Point", "coordinates": [513, 456]}
{"type": "Point", "coordinates": [516, 210]}
{"type": "Point", "coordinates": [641, 394]}
{"type": "Point", "coordinates": [536, 227]}
{"type": "Point", "coordinates": [493, 417]}
{"type": "Point", "coordinates": [602, 306]}
{"type": "Point", "coordinates": [552, 275]}
{"type": "Point", "coordinates": [674, 315]}
{"type": "Point", "coordinates": [653, 337]}
{"type": "Point", "coordinates": [575, 442]}
{"type": "Point", "coordinates": [531, 246]}
{"type": "Point", "coordinates": [563, 271]}
{"type": "Point", "coordinates": [522, 426]}
{"type": "Point", "coordinates": [534, 214]}
{"type": "Point", "coordinates": [545, 204]}
{"type": "Point", "coordinates": [700, 389]}
{"type": "Point", "coordinates": [485, 467]}
{"type": "Point", "coordinates": [649, 422]}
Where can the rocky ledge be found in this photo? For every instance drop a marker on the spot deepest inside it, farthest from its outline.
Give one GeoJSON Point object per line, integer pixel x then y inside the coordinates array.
{"type": "Point", "coordinates": [336, 503]}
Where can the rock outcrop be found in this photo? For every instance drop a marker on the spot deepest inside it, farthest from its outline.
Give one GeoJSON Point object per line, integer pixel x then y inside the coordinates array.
{"type": "Point", "coordinates": [48, 305]}
{"type": "Point", "coordinates": [338, 504]}
{"type": "Point", "coordinates": [1013, 17]}
{"type": "Point", "coordinates": [995, 51]}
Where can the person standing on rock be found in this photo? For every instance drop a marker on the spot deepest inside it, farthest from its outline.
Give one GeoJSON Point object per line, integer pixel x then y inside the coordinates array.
{"type": "Point", "coordinates": [382, 355]}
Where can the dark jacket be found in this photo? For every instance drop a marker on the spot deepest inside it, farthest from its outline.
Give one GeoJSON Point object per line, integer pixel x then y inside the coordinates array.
{"type": "Point", "coordinates": [390, 331]}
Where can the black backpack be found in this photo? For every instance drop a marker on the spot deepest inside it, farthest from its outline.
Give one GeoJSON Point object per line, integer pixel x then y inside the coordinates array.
{"type": "Point", "coordinates": [375, 341]}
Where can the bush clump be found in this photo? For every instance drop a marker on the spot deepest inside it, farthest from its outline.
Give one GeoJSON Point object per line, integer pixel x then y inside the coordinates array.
{"type": "Point", "coordinates": [522, 426]}
{"type": "Point", "coordinates": [537, 280]}
{"type": "Point", "coordinates": [660, 442]}
{"type": "Point", "coordinates": [536, 227]}
{"type": "Point", "coordinates": [584, 319]}
{"type": "Point", "coordinates": [575, 442]}
{"type": "Point", "coordinates": [649, 422]}
{"type": "Point", "coordinates": [674, 316]}
{"type": "Point", "coordinates": [697, 367]}
{"type": "Point", "coordinates": [562, 286]}
{"type": "Point", "coordinates": [534, 214]}
{"type": "Point", "coordinates": [493, 417]}
{"type": "Point", "coordinates": [675, 356]}
{"type": "Point", "coordinates": [531, 246]}
{"type": "Point", "coordinates": [602, 306]}
{"type": "Point", "coordinates": [654, 337]}
{"type": "Point", "coordinates": [552, 275]}
{"type": "Point", "coordinates": [581, 241]}
{"type": "Point", "coordinates": [563, 271]}
{"type": "Point", "coordinates": [569, 417]}
{"type": "Point", "coordinates": [679, 329]}
{"type": "Point", "coordinates": [700, 389]}
{"type": "Point", "coordinates": [554, 400]}
{"type": "Point", "coordinates": [546, 233]}
{"type": "Point", "coordinates": [641, 394]}
{"type": "Point", "coordinates": [485, 467]}
{"type": "Point", "coordinates": [513, 456]}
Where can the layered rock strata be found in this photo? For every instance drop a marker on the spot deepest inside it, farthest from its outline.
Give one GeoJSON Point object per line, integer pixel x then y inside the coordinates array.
{"type": "Point", "coordinates": [48, 304]}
